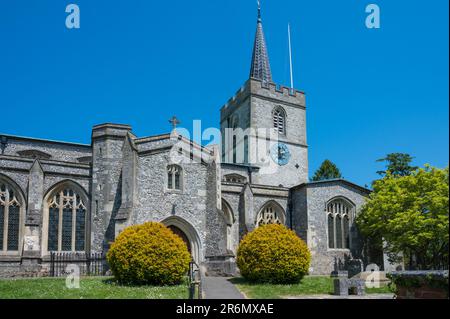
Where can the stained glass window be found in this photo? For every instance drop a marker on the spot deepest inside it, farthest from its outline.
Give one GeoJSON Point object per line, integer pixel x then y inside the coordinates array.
{"type": "Point", "coordinates": [66, 222]}
{"type": "Point", "coordinates": [338, 232]}
{"type": "Point", "coordinates": [346, 232]}
{"type": "Point", "coordinates": [340, 213]}
{"type": "Point", "coordinates": [13, 228]}
{"type": "Point", "coordinates": [80, 230]}
{"type": "Point", "coordinates": [330, 231]}
{"type": "Point", "coordinates": [10, 218]}
{"type": "Point", "coordinates": [67, 229]}
{"type": "Point", "coordinates": [53, 222]}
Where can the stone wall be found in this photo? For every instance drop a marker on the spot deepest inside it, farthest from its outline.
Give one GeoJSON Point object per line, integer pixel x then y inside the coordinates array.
{"type": "Point", "coordinates": [36, 168]}
{"type": "Point", "coordinates": [325, 260]}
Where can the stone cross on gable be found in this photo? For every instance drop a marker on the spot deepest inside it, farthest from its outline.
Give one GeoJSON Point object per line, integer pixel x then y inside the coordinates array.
{"type": "Point", "coordinates": [174, 121]}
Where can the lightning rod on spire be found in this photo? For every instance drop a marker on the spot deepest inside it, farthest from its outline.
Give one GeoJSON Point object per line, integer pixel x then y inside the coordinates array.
{"type": "Point", "coordinates": [259, 9]}
{"type": "Point", "coordinates": [290, 56]}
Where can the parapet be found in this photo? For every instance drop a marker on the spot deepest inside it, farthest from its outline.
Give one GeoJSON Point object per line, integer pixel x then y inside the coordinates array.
{"type": "Point", "coordinates": [255, 87]}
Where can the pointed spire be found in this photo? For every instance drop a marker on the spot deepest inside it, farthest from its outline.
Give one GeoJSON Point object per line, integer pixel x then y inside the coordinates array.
{"type": "Point", "coordinates": [260, 61]}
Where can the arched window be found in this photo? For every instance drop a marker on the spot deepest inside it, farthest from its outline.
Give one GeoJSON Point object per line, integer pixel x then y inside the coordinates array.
{"type": "Point", "coordinates": [340, 212]}
{"type": "Point", "coordinates": [11, 209]}
{"type": "Point", "coordinates": [279, 120]}
{"type": "Point", "coordinates": [67, 217]}
{"type": "Point", "coordinates": [174, 177]}
{"type": "Point", "coordinates": [229, 220]}
{"type": "Point", "coordinates": [270, 214]}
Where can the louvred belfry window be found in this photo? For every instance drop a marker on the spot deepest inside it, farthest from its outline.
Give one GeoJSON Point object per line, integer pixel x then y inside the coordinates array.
{"type": "Point", "coordinates": [279, 121]}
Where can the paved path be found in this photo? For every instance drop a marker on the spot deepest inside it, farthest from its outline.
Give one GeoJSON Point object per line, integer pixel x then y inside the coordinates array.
{"type": "Point", "coordinates": [367, 296]}
{"type": "Point", "coordinates": [220, 288]}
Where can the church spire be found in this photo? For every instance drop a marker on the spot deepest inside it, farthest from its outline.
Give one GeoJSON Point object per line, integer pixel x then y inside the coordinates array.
{"type": "Point", "coordinates": [260, 68]}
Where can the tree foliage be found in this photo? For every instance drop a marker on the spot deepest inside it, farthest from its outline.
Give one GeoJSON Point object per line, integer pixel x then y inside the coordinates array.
{"type": "Point", "coordinates": [328, 170]}
{"type": "Point", "coordinates": [410, 213]}
{"type": "Point", "coordinates": [397, 164]}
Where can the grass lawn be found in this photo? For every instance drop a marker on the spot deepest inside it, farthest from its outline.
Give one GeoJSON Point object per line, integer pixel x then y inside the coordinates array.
{"type": "Point", "coordinates": [310, 285]}
{"type": "Point", "coordinates": [90, 288]}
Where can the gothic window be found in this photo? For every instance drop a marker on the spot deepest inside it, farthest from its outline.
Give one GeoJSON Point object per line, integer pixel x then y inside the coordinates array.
{"type": "Point", "coordinates": [10, 218]}
{"type": "Point", "coordinates": [270, 214]}
{"type": "Point", "coordinates": [66, 222]}
{"type": "Point", "coordinates": [339, 213]}
{"type": "Point", "coordinates": [279, 120]}
{"type": "Point", "coordinates": [174, 177]}
{"type": "Point", "coordinates": [229, 219]}
{"type": "Point", "coordinates": [234, 126]}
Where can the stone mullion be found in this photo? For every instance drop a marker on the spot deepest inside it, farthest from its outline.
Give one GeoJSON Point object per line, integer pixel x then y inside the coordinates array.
{"type": "Point", "coordinates": [5, 228]}
{"type": "Point", "coordinates": [6, 221]}
{"type": "Point", "coordinates": [74, 215]}
{"type": "Point", "coordinates": [174, 174]}
{"type": "Point", "coordinates": [61, 203]}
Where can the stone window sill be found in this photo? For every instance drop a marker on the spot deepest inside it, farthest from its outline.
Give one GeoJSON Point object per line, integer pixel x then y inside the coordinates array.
{"type": "Point", "coordinates": [338, 249]}
{"type": "Point", "coordinates": [174, 191]}
{"type": "Point", "coordinates": [4, 257]}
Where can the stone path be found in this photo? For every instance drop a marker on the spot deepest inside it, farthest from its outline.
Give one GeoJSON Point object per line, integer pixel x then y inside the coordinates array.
{"type": "Point", "coordinates": [220, 288]}
{"type": "Point", "coordinates": [368, 296]}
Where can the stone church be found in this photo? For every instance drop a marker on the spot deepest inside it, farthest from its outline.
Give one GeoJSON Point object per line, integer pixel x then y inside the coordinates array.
{"type": "Point", "coordinates": [67, 197]}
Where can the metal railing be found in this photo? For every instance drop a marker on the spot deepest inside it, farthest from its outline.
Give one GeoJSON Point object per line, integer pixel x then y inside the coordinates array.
{"type": "Point", "coordinates": [194, 281]}
{"type": "Point", "coordinates": [90, 264]}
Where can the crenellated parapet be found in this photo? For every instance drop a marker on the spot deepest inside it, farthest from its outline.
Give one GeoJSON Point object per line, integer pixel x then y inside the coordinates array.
{"type": "Point", "coordinates": [278, 92]}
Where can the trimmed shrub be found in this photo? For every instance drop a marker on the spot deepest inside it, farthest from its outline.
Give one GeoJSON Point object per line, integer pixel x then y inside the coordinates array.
{"type": "Point", "coordinates": [149, 254]}
{"type": "Point", "coordinates": [273, 254]}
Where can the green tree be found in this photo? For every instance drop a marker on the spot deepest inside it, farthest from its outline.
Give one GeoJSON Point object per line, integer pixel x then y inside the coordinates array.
{"type": "Point", "coordinates": [328, 170]}
{"type": "Point", "coordinates": [397, 164]}
{"type": "Point", "coordinates": [410, 214]}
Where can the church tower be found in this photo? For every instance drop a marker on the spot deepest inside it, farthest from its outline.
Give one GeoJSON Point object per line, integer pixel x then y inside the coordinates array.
{"type": "Point", "coordinates": [264, 124]}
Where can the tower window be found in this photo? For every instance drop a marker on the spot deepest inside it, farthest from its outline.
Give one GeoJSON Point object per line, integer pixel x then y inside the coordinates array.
{"type": "Point", "coordinates": [279, 120]}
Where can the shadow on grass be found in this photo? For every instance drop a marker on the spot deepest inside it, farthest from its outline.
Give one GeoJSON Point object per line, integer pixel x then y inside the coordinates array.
{"type": "Point", "coordinates": [307, 286]}
{"type": "Point", "coordinates": [111, 281]}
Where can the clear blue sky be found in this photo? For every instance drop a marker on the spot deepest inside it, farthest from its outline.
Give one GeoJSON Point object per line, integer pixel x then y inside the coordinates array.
{"type": "Point", "coordinates": [369, 92]}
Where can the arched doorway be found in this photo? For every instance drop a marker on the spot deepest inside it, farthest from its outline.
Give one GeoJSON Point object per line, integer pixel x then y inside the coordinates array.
{"type": "Point", "coordinates": [187, 232]}
{"type": "Point", "coordinates": [182, 235]}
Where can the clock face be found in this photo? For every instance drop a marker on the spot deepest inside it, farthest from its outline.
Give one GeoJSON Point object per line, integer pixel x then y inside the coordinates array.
{"type": "Point", "coordinates": [280, 154]}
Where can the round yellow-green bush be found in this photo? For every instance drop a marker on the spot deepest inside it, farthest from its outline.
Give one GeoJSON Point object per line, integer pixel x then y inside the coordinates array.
{"type": "Point", "coordinates": [149, 254]}
{"type": "Point", "coordinates": [273, 254]}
